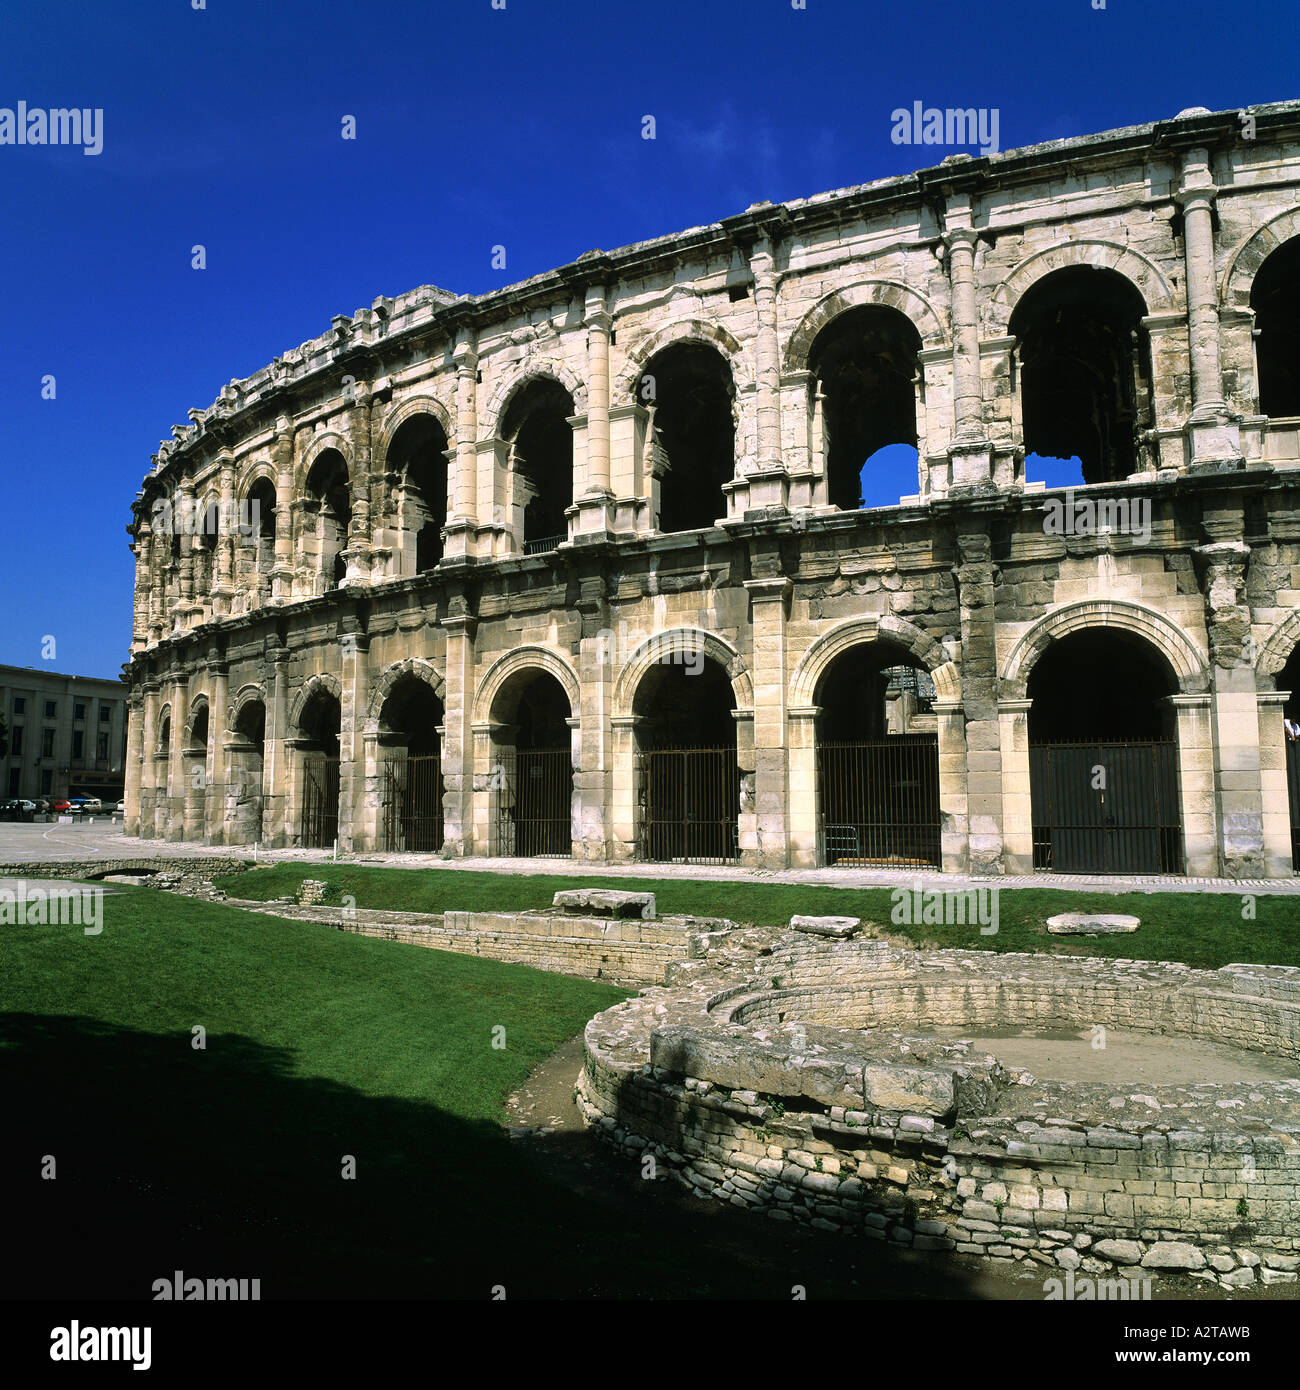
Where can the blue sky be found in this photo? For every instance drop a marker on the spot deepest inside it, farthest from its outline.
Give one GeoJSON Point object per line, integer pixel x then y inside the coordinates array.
{"type": "Point", "coordinates": [475, 127]}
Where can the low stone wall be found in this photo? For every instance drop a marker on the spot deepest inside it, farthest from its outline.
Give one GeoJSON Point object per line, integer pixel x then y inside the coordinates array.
{"type": "Point", "coordinates": [197, 868]}
{"type": "Point", "coordinates": [768, 1074]}
{"type": "Point", "coordinates": [621, 952]}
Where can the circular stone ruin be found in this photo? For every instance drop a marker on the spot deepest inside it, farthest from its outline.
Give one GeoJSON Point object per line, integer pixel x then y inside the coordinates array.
{"type": "Point", "coordinates": [836, 1081]}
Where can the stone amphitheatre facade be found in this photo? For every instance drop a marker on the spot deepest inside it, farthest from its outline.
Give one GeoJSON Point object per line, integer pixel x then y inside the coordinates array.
{"type": "Point", "coordinates": [581, 567]}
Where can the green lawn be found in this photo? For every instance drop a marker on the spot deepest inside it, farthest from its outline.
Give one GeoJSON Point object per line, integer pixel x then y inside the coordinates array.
{"type": "Point", "coordinates": [227, 1161]}
{"type": "Point", "coordinates": [1201, 929]}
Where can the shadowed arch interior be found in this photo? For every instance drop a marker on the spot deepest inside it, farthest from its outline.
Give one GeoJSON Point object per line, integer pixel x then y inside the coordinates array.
{"type": "Point", "coordinates": [417, 461]}
{"type": "Point", "coordinates": [531, 778]}
{"type": "Point", "coordinates": [688, 389]}
{"type": "Point", "coordinates": [536, 427]}
{"type": "Point", "coordinates": [1085, 370]}
{"type": "Point", "coordinates": [1103, 756]}
{"type": "Point", "coordinates": [411, 752]}
{"type": "Point", "coordinates": [864, 366]}
{"type": "Point", "coordinates": [1275, 298]}
{"type": "Point", "coordinates": [688, 777]}
{"type": "Point", "coordinates": [328, 488]}
{"type": "Point", "coordinates": [877, 759]}
{"type": "Point", "coordinates": [244, 801]}
{"type": "Point", "coordinates": [257, 546]}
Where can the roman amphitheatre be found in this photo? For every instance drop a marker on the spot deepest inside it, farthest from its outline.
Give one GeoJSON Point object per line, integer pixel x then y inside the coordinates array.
{"type": "Point", "coordinates": [597, 569]}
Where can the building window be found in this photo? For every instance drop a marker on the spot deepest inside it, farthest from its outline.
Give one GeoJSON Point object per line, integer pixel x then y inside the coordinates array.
{"type": "Point", "coordinates": [16, 742]}
{"type": "Point", "coordinates": [51, 708]}
{"type": "Point", "coordinates": [47, 782]}
{"type": "Point", "coordinates": [101, 748]}
{"type": "Point", "coordinates": [14, 774]}
{"type": "Point", "coordinates": [105, 713]}
{"type": "Point", "coordinates": [78, 711]}
{"type": "Point", "coordinates": [47, 743]}
{"type": "Point", "coordinates": [20, 704]}
{"type": "Point", "coordinates": [78, 744]}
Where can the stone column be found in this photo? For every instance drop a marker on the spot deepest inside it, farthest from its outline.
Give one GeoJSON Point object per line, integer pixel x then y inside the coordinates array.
{"type": "Point", "coordinates": [1273, 784]}
{"type": "Point", "coordinates": [803, 821]}
{"type": "Point", "coordinates": [174, 813]}
{"type": "Point", "coordinates": [140, 615]}
{"type": "Point", "coordinates": [976, 577]}
{"type": "Point", "coordinates": [591, 778]}
{"type": "Point", "coordinates": [135, 735]}
{"type": "Point", "coordinates": [1196, 783]}
{"type": "Point", "coordinates": [457, 739]}
{"type": "Point", "coordinates": [282, 455]}
{"type": "Point", "coordinates": [183, 519]}
{"type": "Point", "coordinates": [353, 826]}
{"type": "Point", "coordinates": [144, 810]}
{"type": "Point", "coordinates": [462, 520]}
{"type": "Point", "coordinates": [216, 769]}
{"type": "Point", "coordinates": [971, 452]}
{"type": "Point", "coordinates": [769, 604]}
{"type": "Point", "coordinates": [767, 480]}
{"type": "Point", "coordinates": [624, 787]}
{"type": "Point", "coordinates": [223, 587]}
{"type": "Point", "coordinates": [595, 503]}
{"type": "Point", "coordinates": [747, 819]}
{"type": "Point", "coordinates": [275, 760]}
{"type": "Point", "coordinates": [1213, 434]}
{"type": "Point", "coordinates": [359, 539]}
{"type": "Point", "coordinates": [1017, 799]}
{"type": "Point", "coordinates": [1234, 706]}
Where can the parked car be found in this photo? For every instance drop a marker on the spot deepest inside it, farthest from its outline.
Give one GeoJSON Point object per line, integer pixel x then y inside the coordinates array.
{"type": "Point", "coordinates": [61, 806]}
{"type": "Point", "coordinates": [121, 806]}
{"type": "Point", "coordinates": [42, 806]}
{"type": "Point", "coordinates": [91, 803]}
{"type": "Point", "coordinates": [16, 809]}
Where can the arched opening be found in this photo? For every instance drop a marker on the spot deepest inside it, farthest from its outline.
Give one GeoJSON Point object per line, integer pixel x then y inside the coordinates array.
{"type": "Point", "coordinates": [1085, 373]}
{"type": "Point", "coordinates": [1103, 756]}
{"type": "Point", "coordinates": [687, 774]}
{"type": "Point", "coordinates": [196, 773]}
{"type": "Point", "coordinates": [688, 391]}
{"type": "Point", "coordinates": [1288, 679]}
{"type": "Point", "coordinates": [411, 750]}
{"type": "Point", "coordinates": [417, 459]}
{"type": "Point", "coordinates": [244, 793]}
{"type": "Point", "coordinates": [318, 745]}
{"type": "Point", "coordinates": [864, 383]}
{"type": "Point", "coordinates": [328, 492]}
{"type": "Point", "coordinates": [1275, 298]}
{"type": "Point", "coordinates": [257, 539]}
{"type": "Point", "coordinates": [536, 427]}
{"type": "Point", "coordinates": [878, 759]}
{"type": "Point", "coordinates": [531, 779]}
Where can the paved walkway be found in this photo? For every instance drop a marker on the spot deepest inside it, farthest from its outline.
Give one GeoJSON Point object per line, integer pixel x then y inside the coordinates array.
{"type": "Point", "coordinates": [101, 839]}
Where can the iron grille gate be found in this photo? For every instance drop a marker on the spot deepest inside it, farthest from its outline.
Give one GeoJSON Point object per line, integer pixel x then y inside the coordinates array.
{"type": "Point", "coordinates": [413, 804]}
{"type": "Point", "coordinates": [534, 803]}
{"type": "Point", "coordinates": [690, 800]}
{"type": "Point", "coordinates": [1106, 807]}
{"type": "Point", "coordinates": [320, 803]}
{"type": "Point", "coordinates": [880, 801]}
{"type": "Point", "coordinates": [1293, 796]}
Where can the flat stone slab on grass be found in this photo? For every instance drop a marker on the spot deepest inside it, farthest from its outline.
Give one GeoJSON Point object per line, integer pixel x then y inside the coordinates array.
{"type": "Point", "coordinates": [826, 926]}
{"type": "Point", "coordinates": [1091, 923]}
{"type": "Point", "coordinates": [606, 902]}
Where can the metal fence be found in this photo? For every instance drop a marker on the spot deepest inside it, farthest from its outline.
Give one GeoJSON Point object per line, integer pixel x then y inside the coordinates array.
{"type": "Point", "coordinates": [1106, 807]}
{"type": "Point", "coordinates": [413, 804]}
{"type": "Point", "coordinates": [534, 800]}
{"type": "Point", "coordinates": [690, 805]}
{"type": "Point", "coordinates": [320, 802]}
{"type": "Point", "coordinates": [880, 801]}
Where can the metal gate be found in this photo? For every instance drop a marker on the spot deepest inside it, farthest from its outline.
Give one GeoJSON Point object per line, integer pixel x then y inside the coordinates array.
{"type": "Point", "coordinates": [1106, 807]}
{"type": "Point", "coordinates": [880, 801]}
{"type": "Point", "coordinates": [413, 804]}
{"type": "Point", "coordinates": [690, 805]}
{"type": "Point", "coordinates": [1293, 796]}
{"type": "Point", "coordinates": [534, 804]}
{"type": "Point", "coordinates": [320, 803]}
